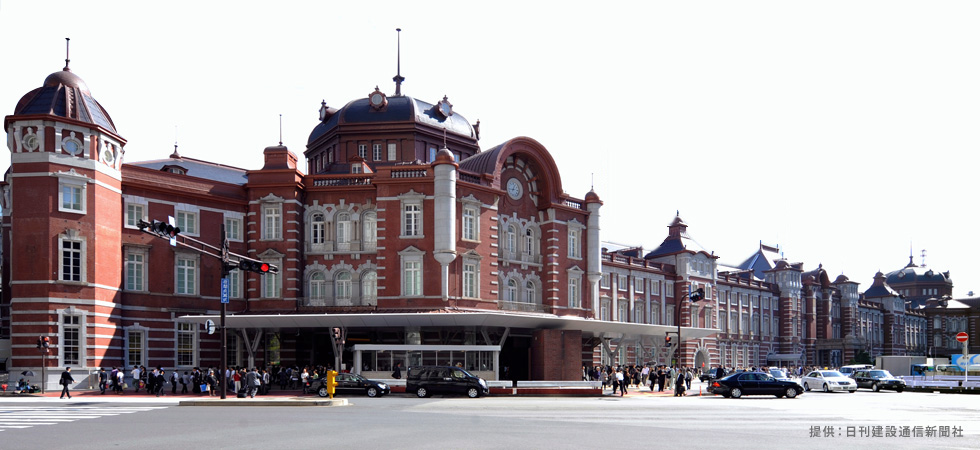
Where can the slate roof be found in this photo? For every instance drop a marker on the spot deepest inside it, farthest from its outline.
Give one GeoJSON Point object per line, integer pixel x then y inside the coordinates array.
{"type": "Point", "coordinates": [199, 169]}
{"type": "Point", "coordinates": [399, 109]}
{"type": "Point", "coordinates": [64, 94]}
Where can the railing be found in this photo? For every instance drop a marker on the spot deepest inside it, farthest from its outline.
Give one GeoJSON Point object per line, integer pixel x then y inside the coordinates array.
{"type": "Point", "coordinates": [470, 178]}
{"type": "Point", "coordinates": [342, 180]}
{"type": "Point", "coordinates": [520, 306]}
{"type": "Point", "coordinates": [573, 203]}
{"type": "Point", "coordinates": [409, 173]}
{"type": "Point", "coordinates": [329, 302]}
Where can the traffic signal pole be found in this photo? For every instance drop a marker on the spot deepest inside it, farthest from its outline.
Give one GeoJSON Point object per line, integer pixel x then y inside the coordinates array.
{"type": "Point", "coordinates": [224, 308]}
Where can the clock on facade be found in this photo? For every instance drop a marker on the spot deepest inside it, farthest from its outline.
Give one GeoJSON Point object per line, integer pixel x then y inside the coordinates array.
{"type": "Point", "coordinates": [377, 99]}
{"type": "Point", "coordinates": [514, 188]}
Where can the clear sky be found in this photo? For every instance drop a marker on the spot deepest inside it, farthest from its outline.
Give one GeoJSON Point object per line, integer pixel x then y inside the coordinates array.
{"type": "Point", "coordinates": [842, 131]}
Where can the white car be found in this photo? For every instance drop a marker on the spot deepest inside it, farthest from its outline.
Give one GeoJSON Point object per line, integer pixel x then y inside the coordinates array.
{"type": "Point", "coordinates": [828, 381]}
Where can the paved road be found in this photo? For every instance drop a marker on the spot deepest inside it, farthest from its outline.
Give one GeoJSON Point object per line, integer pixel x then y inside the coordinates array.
{"type": "Point", "coordinates": [405, 422]}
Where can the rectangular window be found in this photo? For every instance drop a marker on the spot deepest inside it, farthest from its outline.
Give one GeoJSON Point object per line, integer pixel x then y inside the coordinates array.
{"type": "Point", "coordinates": [669, 289]}
{"type": "Point", "coordinates": [185, 344]}
{"type": "Point", "coordinates": [670, 317]}
{"type": "Point", "coordinates": [134, 351]}
{"type": "Point", "coordinates": [413, 278]}
{"type": "Point", "coordinates": [574, 247]}
{"type": "Point", "coordinates": [134, 214]}
{"type": "Point", "coordinates": [71, 345]}
{"type": "Point", "coordinates": [186, 276]}
{"type": "Point", "coordinates": [392, 151]}
{"type": "Point", "coordinates": [469, 224]}
{"type": "Point", "coordinates": [604, 281]}
{"type": "Point", "coordinates": [469, 278]}
{"type": "Point", "coordinates": [621, 282]}
{"type": "Point", "coordinates": [72, 198]}
{"type": "Point", "coordinates": [723, 323]}
{"type": "Point", "coordinates": [235, 284]}
{"type": "Point", "coordinates": [377, 152]}
{"type": "Point", "coordinates": [638, 285]}
{"type": "Point", "coordinates": [574, 293]}
{"type": "Point", "coordinates": [135, 270]}
{"type": "Point", "coordinates": [362, 151]}
{"type": "Point", "coordinates": [654, 287]}
{"type": "Point", "coordinates": [272, 285]}
{"type": "Point", "coordinates": [412, 220]}
{"type": "Point", "coordinates": [187, 222]}
{"type": "Point", "coordinates": [233, 229]}
{"type": "Point", "coordinates": [71, 260]}
{"type": "Point", "coordinates": [272, 221]}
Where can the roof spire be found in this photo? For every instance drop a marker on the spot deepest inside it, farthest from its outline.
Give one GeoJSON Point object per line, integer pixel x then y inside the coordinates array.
{"type": "Point", "coordinates": [398, 76]}
{"type": "Point", "coordinates": [175, 155]}
{"type": "Point", "coordinates": [67, 59]}
{"type": "Point", "coordinates": [280, 130]}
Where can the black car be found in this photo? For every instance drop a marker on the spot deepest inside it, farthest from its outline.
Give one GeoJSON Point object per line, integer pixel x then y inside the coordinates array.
{"type": "Point", "coordinates": [426, 380]}
{"type": "Point", "coordinates": [352, 383]}
{"type": "Point", "coordinates": [753, 383]}
{"type": "Point", "coordinates": [709, 374]}
{"type": "Point", "coordinates": [877, 380]}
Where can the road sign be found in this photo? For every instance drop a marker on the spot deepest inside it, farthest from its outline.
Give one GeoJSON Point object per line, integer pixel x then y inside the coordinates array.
{"type": "Point", "coordinates": [210, 326]}
{"type": "Point", "coordinates": [225, 287]}
{"type": "Point", "coordinates": [962, 336]}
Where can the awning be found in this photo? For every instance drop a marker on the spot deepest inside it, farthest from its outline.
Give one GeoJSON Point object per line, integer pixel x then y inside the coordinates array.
{"type": "Point", "coordinates": [784, 357]}
{"type": "Point", "coordinates": [589, 327]}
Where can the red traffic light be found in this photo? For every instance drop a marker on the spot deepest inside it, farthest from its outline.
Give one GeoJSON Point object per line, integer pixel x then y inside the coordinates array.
{"type": "Point", "coordinates": [256, 266]}
{"type": "Point", "coordinates": [164, 229]}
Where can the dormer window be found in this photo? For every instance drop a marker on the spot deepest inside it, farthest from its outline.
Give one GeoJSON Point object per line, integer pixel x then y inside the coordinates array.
{"type": "Point", "coordinates": [444, 108]}
{"type": "Point", "coordinates": [177, 170]}
{"type": "Point", "coordinates": [377, 99]}
{"type": "Point", "coordinates": [355, 168]}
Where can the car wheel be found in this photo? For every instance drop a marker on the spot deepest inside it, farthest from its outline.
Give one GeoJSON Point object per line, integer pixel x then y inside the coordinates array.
{"type": "Point", "coordinates": [853, 390]}
{"type": "Point", "coordinates": [874, 387]}
{"type": "Point", "coordinates": [791, 393]}
{"type": "Point", "coordinates": [736, 392]}
{"type": "Point", "coordinates": [422, 392]}
{"type": "Point", "coordinates": [806, 387]}
{"type": "Point", "coordinates": [322, 392]}
{"type": "Point", "coordinates": [472, 392]}
{"type": "Point", "coordinates": [899, 390]}
{"type": "Point", "coordinates": [372, 391]}
{"type": "Point", "coordinates": [826, 388]}
{"type": "Point", "coordinates": [726, 395]}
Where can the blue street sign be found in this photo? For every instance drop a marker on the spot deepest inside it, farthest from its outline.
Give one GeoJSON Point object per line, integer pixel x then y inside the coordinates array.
{"type": "Point", "coordinates": [225, 288]}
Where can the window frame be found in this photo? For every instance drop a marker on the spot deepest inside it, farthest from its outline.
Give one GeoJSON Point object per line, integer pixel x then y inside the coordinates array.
{"type": "Point", "coordinates": [191, 274]}
{"type": "Point", "coordinates": [184, 331]}
{"type": "Point", "coordinates": [78, 186]}
{"type": "Point", "coordinates": [132, 221]}
{"type": "Point", "coordinates": [137, 269]}
{"type": "Point", "coordinates": [272, 221]}
{"type": "Point", "coordinates": [187, 221]}
{"type": "Point", "coordinates": [77, 267]}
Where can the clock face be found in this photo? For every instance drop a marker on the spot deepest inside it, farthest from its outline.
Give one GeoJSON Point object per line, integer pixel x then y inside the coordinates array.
{"type": "Point", "coordinates": [377, 99]}
{"type": "Point", "coordinates": [514, 188]}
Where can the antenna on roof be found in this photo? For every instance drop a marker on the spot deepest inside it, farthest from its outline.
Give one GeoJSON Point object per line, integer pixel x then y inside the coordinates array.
{"type": "Point", "coordinates": [445, 144]}
{"type": "Point", "coordinates": [175, 154]}
{"type": "Point", "coordinates": [398, 76]}
{"type": "Point", "coordinates": [593, 182]}
{"type": "Point", "coordinates": [67, 59]}
{"type": "Point", "coordinates": [923, 258]}
{"type": "Point", "coordinates": [280, 130]}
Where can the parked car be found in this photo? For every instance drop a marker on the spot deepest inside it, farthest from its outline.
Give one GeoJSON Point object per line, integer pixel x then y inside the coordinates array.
{"type": "Point", "coordinates": [710, 374]}
{"type": "Point", "coordinates": [828, 381]}
{"type": "Point", "coordinates": [352, 383]}
{"type": "Point", "coordinates": [877, 380]}
{"type": "Point", "coordinates": [427, 380]}
{"type": "Point", "coordinates": [753, 383]}
{"type": "Point", "coordinates": [848, 370]}
{"type": "Point", "coordinates": [779, 374]}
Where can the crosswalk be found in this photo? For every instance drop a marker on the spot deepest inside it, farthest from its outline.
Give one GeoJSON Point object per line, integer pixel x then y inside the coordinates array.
{"type": "Point", "coordinates": [14, 418]}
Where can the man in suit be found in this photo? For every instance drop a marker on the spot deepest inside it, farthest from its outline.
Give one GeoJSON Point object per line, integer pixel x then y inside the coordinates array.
{"type": "Point", "coordinates": [252, 382]}
{"type": "Point", "coordinates": [66, 380]}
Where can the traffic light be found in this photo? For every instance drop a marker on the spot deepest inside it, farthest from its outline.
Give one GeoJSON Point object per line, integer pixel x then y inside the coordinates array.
{"type": "Point", "coordinates": [40, 344]}
{"type": "Point", "coordinates": [697, 295]}
{"type": "Point", "coordinates": [46, 342]}
{"type": "Point", "coordinates": [667, 341]}
{"type": "Point", "coordinates": [250, 265]}
{"type": "Point", "coordinates": [164, 229]}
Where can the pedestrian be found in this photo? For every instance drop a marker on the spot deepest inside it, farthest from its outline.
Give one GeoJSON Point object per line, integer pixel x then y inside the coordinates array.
{"type": "Point", "coordinates": [184, 379]}
{"type": "Point", "coordinates": [66, 380]}
{"type": "Point", "coordinates": [103, 380]}
{"type": "Point", "coordinates": [621, 380]}
{"type": "Point", "coordinates": [679, 386]}
{"type": "Point", "coordinates": [174, 377]}
{"type": "Point", "coordinates": [158, 381]}
{"type": "Point", "coordinates": [136, 378]}
{"type": "Point", "coordinates": [252, 382]}
{"type": "Point", "coordinates": [687, 378]}
{"type": "Point", "coordinates": [397, 373]}
{"type": "Point", "coordinates": [120, 381]}
{"type": "Point", "coordinates": [661, 378]}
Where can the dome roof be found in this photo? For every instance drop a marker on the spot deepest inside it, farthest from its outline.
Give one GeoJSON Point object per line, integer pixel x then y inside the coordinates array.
{"type": "Point", "coordinates": [64, 94]}
{"type": "Point", "coordinates": [396, 109]}
{"type": "Point", "coordinates": [916, 274]}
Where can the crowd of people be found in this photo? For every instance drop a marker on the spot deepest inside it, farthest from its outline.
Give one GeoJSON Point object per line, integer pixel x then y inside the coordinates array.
{"type": "Point", "coordinates": [207, 381]}
{"type": "Point", "coordinates": [658, 378]}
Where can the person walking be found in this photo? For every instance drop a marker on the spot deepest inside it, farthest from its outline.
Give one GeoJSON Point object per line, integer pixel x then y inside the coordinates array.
{"type": "Point", "coordinates": [397, 373]}
{"type": "Point", "coordinates": [174, 378]}
{"type": "Point", "coordinates": [252, 382]}
{"type": "Point", "coordinates": [679, 385]}
{"type": "Point", "coordinates": [66, 380]}
{"type": "Point", "coordinates": [103, 380]}
{"type": "Point", "coordinates": [621, 380]}
{"type": "Point", "coordinates": [661, 378]}
{"type": "Point", "coordinates": [687, 377]}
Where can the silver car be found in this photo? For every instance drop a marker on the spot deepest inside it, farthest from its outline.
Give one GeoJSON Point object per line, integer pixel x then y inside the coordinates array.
{"type": "Point", "coordinates": [828, 381]}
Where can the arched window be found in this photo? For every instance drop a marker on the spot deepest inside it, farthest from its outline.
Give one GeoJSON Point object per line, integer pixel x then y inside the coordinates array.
{"type": "Point", "coordinates": [369, 288]}
{"type": "Point", "coordinates": [318, 284]}
{"type": "Point", "coordinates": [529, 292]}
{"type": "Point", "coordinates": [512, 239]}
{"type": "Point", "coordinates": [342, 285]}
{"type": "Point", "coordinates": [511, 293]}
{"type": "Point", "coordinates": [529, 242]}
{"type": "Point", "coordinates": [317, 229]}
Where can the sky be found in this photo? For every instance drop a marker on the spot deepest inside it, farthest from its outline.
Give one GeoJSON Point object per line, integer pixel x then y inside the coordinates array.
{"type": "Point", "coordinates": [842, 131]}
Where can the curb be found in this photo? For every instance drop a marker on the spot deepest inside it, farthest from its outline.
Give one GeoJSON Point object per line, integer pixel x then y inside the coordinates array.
{"type": "Point", "coordinates": [253, 402]}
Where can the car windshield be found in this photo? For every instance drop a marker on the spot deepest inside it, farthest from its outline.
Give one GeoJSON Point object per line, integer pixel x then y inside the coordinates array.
{"type": "Point", "coordinates": [832, 373]}
{"type": "Point", "coordinates": [881, 374]}
{"type": "Point", "coordinates": [777, 373]}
